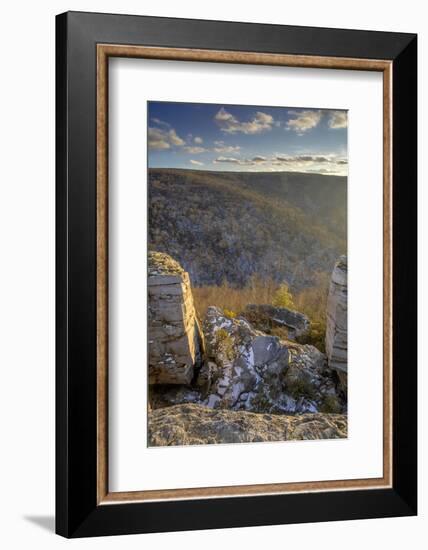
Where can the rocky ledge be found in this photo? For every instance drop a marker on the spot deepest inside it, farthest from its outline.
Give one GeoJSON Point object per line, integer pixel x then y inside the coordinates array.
{"type": "Point", "coordinates": [250, 370]}
{"type": "Point", "coordinates": [265, 317]}
{"type": "Point", "coordinates": [247, 370]}
{"type": "Point", "coordinates": [191, 424]}
{"type": "Point", "coordinates": [233, 379]}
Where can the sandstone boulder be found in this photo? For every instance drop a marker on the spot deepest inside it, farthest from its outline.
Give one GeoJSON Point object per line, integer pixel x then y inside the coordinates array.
{"type": "Point", "coordinates": [264, 317]}
{"type": "Point", "coordinates": [336, 342]}
{"type": "Point", "coordinates": [191, 424]}
{"type": "Point", "coordinates": [175, 338]}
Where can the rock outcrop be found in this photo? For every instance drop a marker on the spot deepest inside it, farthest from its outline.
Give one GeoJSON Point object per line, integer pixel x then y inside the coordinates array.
{"type": "Point", "coordinates": [264, 317]}
{"type": "Point", "coordinates": [336, 341]}
{"type": "Point", "coordinates": [233, 382]}
{"type": "Point", "coordinates": [246, 366]}
{"type": "Point", "coordinates": [249, 370]}
{"type": "Point", "coordinates": [175, 339]}
{"type": "Point", "coordinates": [191, 424]}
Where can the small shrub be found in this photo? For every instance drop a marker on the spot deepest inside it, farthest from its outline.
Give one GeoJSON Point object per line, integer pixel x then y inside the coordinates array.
{"type": "Point", "coordinates": [229, 313]}
{"type": "Point", "coordinates": [283, 297]}
{"type": "Point", "coordinates": [224, 343]}
{"type": "Point", "coordinates": [261, 403]}
{"type": "Point", "coordinates": [300, 387]}
{"type": "Point", "coordinates": [331, 404]}
{"type": "Point", "coordinates": [221, 335]}
{"type": "Point", "coordinates": [315, 336]}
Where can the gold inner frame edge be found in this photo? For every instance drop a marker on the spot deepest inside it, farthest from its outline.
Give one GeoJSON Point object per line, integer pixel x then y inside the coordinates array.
{"type": "Point", "coordinates": [104, 52]}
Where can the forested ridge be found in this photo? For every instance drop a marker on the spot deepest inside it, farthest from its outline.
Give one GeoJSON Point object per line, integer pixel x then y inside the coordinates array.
{"type": "Point", "coordinates": [227, 227]}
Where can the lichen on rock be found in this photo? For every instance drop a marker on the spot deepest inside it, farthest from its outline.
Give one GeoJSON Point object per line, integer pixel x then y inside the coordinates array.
{"type": "Point", "coordinates": [190, 424]}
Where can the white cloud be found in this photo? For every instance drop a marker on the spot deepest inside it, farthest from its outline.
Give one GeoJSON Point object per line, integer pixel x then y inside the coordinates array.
{"type": "Point", "coordinates": [163, 139]}
{"type": "Point", "coordinates": [194, 149]}
{"type": "Point", "coordinates": [221, 147]}
{"type": "Point", "coordinates": [228, 123]}
{"type": "Point", "coordinates": [198, 140]}
{"type": "Point", "coordinates": [161, 122]}
{"type": "Point", "coordinates": [157, 139]}
{"type": "Point", "coordinates": [242, 162]}
{"type": "Point", "coordinates": [175, 140]}
{"type": "Point", "coordinates": [231, 160]}
{"type": "Point", "coordinates": [306, 158]}
{"type": "Point", "coordinates": [338, 119]}
{"type": "Point", "coordinates": [196, 162]}
{"type": "Point", "coordinates": [320, 164]}
{"type": "Point", "coordinates": [303, 121]}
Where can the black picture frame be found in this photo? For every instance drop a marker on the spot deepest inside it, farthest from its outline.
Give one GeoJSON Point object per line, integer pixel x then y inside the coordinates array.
{"type": "Point", "coordinates": [77, 511]}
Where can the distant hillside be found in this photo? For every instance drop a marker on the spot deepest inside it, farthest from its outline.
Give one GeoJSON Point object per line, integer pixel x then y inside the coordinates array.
{"type": "Point", "coordinates": [231, 225]}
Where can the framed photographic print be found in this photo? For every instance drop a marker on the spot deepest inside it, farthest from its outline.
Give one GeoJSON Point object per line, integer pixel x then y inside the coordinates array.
{"type": "Point", "coordinates": [236, 274]}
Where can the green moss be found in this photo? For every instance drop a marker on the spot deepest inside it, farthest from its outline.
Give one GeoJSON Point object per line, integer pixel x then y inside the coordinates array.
{"type": "Point", "coordinates": [331, 404]}
{"type": "Point", "coordinates": [315, 336]}
{"type": "Point", "coordinates": [300, 387]}
{"type": "Point", "coordinates": [260, 402]}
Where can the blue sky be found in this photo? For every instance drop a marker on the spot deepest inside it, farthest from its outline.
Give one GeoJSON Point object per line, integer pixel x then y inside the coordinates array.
{"type": "Point", "coordinates": [246, 138]}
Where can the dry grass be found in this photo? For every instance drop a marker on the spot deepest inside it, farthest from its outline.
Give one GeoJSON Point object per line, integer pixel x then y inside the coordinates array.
{"type": "Point", "coordinates": [258, 291]}
{"type": "Point", "coordinates": [311, 301]}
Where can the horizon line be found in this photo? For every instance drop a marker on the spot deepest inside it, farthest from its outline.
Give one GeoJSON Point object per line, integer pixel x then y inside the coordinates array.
{"type": "Point", "coordinates": [246, 171]}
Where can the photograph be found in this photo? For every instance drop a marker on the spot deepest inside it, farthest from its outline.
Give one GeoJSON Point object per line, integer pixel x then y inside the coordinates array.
{"type": "Point", "coordinates": [211, 216]}
{"type": "Point", "coordinates": [247, 273]}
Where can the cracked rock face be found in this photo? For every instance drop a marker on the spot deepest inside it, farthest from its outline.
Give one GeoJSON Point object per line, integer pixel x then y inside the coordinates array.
{"type": "Point", "coordinates": [175, 339]}
{"type": "Point", "coordinates": [245, 360]}
{"type": "Point", "coordinates": [249, 370]}
{"type": "Point", "coordinates": [336, 342]}
{"type": "Point", "coordinates": [265, 316]}
{"type": "Point", "coordinates": [191, 424]}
